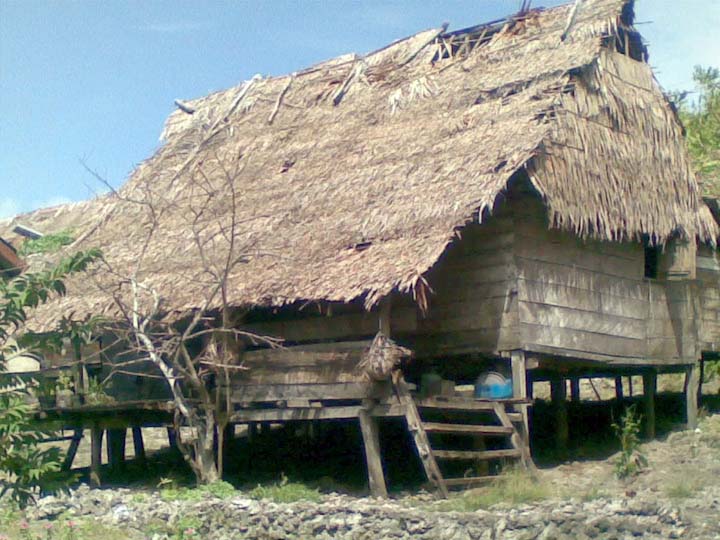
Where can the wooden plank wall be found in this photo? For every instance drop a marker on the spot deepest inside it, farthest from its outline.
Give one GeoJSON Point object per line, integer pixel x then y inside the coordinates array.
{"type": "Point", "coordinates": [708, 275]}
{"type": "Point", "coordinates": [589, 299]}
{"type": "Point", "coordinates": [474, 305]}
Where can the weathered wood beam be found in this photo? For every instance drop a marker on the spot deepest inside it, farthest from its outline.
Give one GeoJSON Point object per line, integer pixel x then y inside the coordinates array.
{"type": "Point", "coordinates": [72, 450]}
{"type": "Point", "coordinates": [575, 389]}
{"type": "Point", "coordinates": [138, 443]}
{"type": "Point", "coordinates": [619, 388]}
{"type": "Point", "coordinates": [692, 385]}
{"type": "Point", "coordinates": [116, 448]}
{"type": "Point", "coordinates": [649, 391]}
{"type": "Point", "coordinates": [558, 393]}
{"type": "Point", "coordinates": [520, 391]}
{"type": "Point", "coordinates": [373, 454]}
{"type": "Point", "coordinates": [96, 434]}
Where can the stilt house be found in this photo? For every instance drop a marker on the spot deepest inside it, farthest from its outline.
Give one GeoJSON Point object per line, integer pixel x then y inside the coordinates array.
{"type": "Point", "coordinates": [513, 197]}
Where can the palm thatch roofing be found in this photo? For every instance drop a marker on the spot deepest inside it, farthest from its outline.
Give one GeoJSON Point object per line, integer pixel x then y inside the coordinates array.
{"type": "Point", "coordinates": [350, 179]}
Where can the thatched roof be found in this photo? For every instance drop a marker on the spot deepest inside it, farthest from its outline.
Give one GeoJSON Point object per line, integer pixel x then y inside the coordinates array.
{"type": "Point", "coordinates": [350, 179]}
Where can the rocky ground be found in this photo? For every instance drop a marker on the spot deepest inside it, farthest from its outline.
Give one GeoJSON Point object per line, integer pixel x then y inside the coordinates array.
{"type": "Point", "coordinates": [677, 496]}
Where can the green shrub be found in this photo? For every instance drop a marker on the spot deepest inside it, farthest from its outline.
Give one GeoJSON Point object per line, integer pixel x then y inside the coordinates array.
{"type": "Point", "coordinates": [48, 243]}
{"type": "Point", "coordinates": [631, 460]}
{"type": "Point", "coordinates": [285, 492]}
{"type": "Point", "coordinates": [220, 490]}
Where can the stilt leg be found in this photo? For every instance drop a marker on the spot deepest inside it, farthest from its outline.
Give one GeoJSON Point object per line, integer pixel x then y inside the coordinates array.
{"type": "Point", "coordinates": [649, 390]}
{"type": "Point", "coordinates": [574, 389]}
{"type": "Point", "coordinates": [619, 388]}
{"type": "Point", "coordinates": [96, 434]}
{"type": "Point", "coordinates": [138, 444]}
{"type": "Point", "coordinates": [371, 440]}
{"type": "Point", "coordinates": [116, 448]}
{"type": "Point", "coordinates": [72, 450]}
{"type": "Point", "coordinates": [692, 384]}
{"type": "Point", "coordinates": [558, 392]}
{"type": "Point", "coordinates": [520, 390]}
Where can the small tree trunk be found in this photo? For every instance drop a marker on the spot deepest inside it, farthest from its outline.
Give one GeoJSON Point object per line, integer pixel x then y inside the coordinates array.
{"type": "Point", "coordinates": [206, 471]}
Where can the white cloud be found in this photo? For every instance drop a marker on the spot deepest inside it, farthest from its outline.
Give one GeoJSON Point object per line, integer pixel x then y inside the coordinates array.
{"type": "Point", "coordinates": [8, 207]}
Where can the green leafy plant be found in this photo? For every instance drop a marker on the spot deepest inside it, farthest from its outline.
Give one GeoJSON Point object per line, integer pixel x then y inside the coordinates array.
{"type": "Point", "coordinates": [48, 243]}
{"type": "Point", "coordinates": [26, 468]}
{"type": "Point", "coordinates": [631, 460]}
{"type": "Point", "coordinates": [97, 392]}
{"type": "Point", "coordinates": [285, 492]}
{"type": "Point", "coordinates": [701, 118]}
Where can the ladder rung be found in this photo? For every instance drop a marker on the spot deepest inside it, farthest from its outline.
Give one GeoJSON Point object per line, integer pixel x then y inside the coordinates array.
{"type": "Point", "coordinates": [457, 404]}
{"type": "Point", "coordinates": [436, 427]}
{"type": "Point", "coordinates": [472, 480]}
{"type": "Point", "coordinates": [476, 454]}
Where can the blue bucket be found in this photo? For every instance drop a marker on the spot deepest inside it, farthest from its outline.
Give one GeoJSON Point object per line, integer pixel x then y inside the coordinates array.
{"type": "Point", "coordinates": [493, 385]}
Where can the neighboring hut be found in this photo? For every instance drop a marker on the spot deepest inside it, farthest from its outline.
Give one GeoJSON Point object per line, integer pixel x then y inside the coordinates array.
{"type": "Point", "coordinates": [513, 197]}
{"type": "Point", "coordinates": [10, 262]}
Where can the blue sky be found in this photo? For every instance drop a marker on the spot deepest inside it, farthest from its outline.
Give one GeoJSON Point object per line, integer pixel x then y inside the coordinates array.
{"type": "Point", "coordinates": [95, 80]}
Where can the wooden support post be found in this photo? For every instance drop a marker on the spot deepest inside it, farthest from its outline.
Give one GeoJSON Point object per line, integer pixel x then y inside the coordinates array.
{"type": "Point", "coordinates": [630, 386]}
{"type": "Point", "coordinates": [519, 379]}
{"type": "Point", "coordinates": [72, 450]}
{"type": "Point", "coordinates": [692, 384]}
{"type": "Point", "coordinates": [116, 448]}
{"type": "Point", "coordinates": [649, 391]}
{"type": "Point", "coordinates": [172, 437]}
{"type": "Point", "coordinates": [701, 377]}
{"type": "Point", "coordinates": [558, 393]}
{"type": "Point", "coordinates": [575, 389]}
{"type": "Point", "coordinates": [373, 455]}
{"type": "Point", "coordinates": [96, 434]}
{"type": "Point", "coordinates": [138, 444]}
{"type": "Point", "coordinates": [619, 388]}
{"type": "Point", "coordinates": [252, 431]}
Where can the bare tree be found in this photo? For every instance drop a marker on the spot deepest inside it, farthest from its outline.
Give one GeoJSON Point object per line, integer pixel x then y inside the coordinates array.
{"type": "Point", "coordinates": [196, 354]}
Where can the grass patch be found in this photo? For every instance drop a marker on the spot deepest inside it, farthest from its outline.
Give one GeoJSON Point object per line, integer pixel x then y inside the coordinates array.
{"type": "Point", "coordinates": [683, 488]}
{"type": "Point", "coordinates": [14, 526]}
{"type": "Point", "coordinates": [515, 486]}
{"type": "Point", "coordinates": [286, 492]}
{"type": "Point", "coordinates": [219, 490]}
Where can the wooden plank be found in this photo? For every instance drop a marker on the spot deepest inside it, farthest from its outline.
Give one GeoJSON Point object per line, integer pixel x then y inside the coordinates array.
{"type": "Point", "coordinates": [287, 366]}
{"type": "Point", "coordinates": [473, 480]}
{"type": "Point", "coordinates": [543, 249]}
{"type": "Point", "coordinates": [279, 392]}
{"type": "Point", "coordinates": [578, 277]}
{"type": "Point", "coordinates": [489, 313]}
{"type": "Point", "coordinates": [519, 440]}
{"type": "Point", "coordinates": [455, 404]}
{"type": "Point", "coordinates": [477, 454]}
{"type": "Point", "coordinates": [585, 321]}
{"type": "Point", "coordinates": [451, 290]}
{"type": "Point", "coordinates": [487, 340]}
{"type": "Point", "coordinates": [373, 455]}
{"type": "Point", "coordinates": [467, 429]}
{"type": "Point", "coordinates": [581, 341]}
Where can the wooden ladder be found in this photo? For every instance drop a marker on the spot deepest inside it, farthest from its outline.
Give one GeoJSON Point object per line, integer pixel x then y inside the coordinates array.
{"type": "Point", "coordinates": [429, 456]}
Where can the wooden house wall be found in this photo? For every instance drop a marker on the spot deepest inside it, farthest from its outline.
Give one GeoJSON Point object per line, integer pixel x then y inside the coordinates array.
{"type": "Point", "coordinates": [474, 304]}
{"type": "Point", "coordinates": [708, 278]}
{"type": "Point", "coordinates": [590, 299]}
